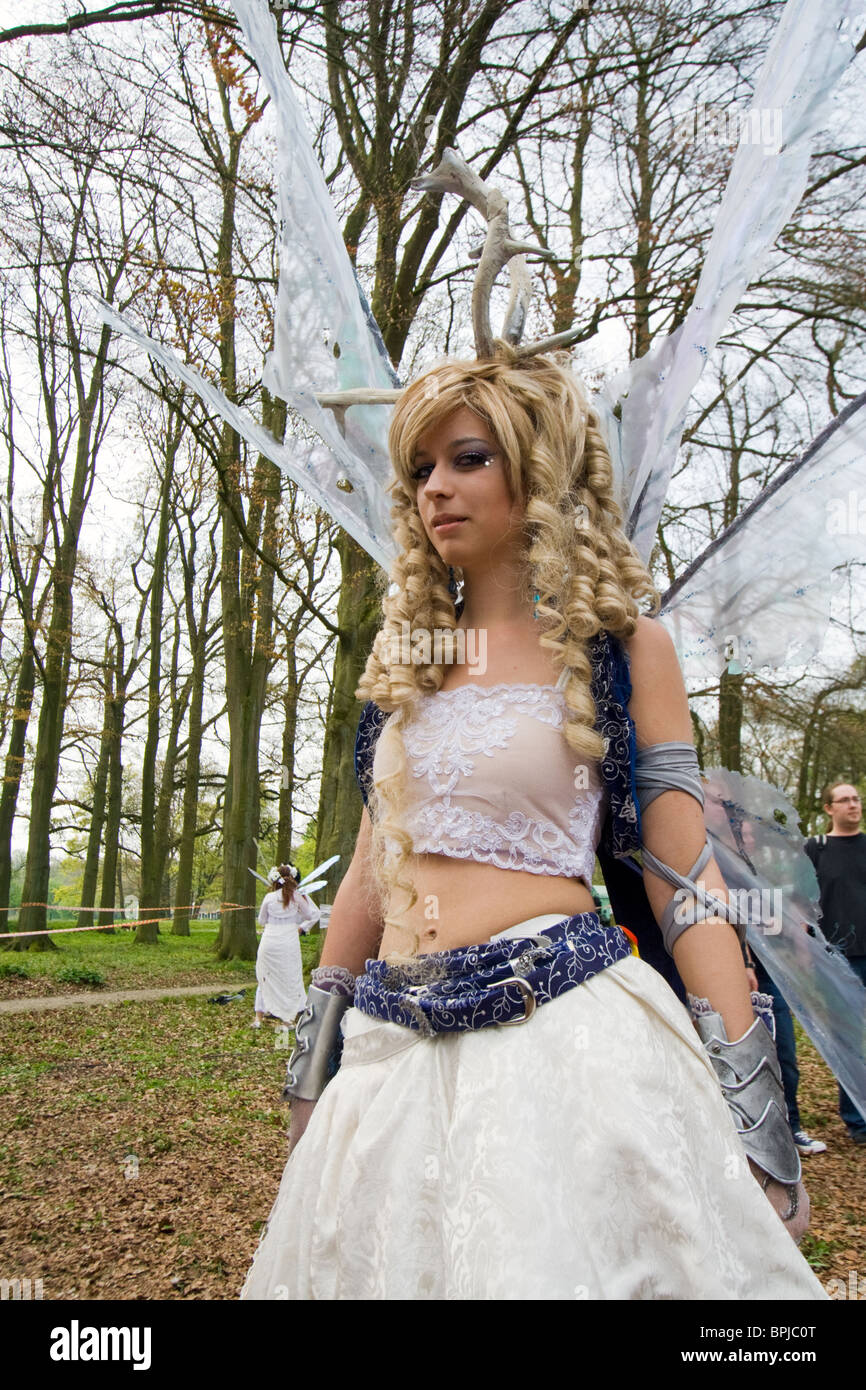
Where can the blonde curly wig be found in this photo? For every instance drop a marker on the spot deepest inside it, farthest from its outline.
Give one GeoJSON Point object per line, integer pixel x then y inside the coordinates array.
{"type": "Point", "coordinates": [587, 574]}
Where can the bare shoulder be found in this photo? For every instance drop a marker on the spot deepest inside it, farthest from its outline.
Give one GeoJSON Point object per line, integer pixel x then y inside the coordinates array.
{"type": "Point", "coordinates": [650, 641]}
{"type": "Point", "coordinates": [659, 705]}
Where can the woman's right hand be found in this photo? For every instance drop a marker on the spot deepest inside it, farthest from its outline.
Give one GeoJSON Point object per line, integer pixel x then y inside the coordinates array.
{"type": "Point", "coordinates": [300, 1118]}
{"type": "Point", "coordinates": [780, 1196]}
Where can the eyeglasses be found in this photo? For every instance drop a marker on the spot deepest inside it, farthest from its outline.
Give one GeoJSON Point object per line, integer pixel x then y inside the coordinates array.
{"type": "Point", "coordinates": [843, 800]}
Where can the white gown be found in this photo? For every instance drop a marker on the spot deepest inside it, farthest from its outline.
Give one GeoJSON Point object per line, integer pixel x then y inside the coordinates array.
{"type": "Point", "coordinates": [587, 1154]}
{"type": "Point", "coordinates": [279, 969]}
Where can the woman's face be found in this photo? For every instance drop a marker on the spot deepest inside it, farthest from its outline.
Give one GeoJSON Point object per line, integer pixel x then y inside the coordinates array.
{"type": "Point", "coordinates": [463, 497]}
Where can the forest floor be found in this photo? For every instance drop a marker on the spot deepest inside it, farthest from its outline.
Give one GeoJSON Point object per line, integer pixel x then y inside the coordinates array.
{"type": "Point", "coordinates": [143, 1144]}
{"type": "Point", "coordinates": [118, 996]}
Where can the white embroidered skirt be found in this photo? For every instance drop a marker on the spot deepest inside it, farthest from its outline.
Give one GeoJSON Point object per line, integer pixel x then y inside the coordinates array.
{"type": "Point", "coordinates": [586, 1154]}
{"type": "Point", "coordinates": [280, 972]}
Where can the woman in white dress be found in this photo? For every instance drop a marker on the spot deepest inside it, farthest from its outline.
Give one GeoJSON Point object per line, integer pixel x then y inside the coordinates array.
{"type": "Point", "coordinates": [284, 913]}
{"type": "Point", "coordinates": [587, 1152]}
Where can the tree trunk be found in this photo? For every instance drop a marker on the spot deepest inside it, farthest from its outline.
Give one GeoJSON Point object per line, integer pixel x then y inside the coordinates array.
{"type": "Point", "coordinates": [97, 815]}
{"type": "Point", "coordinates": [152, 860]}
{"type": "Point", "coordinates": [58, 648]}
{"type": "Point", "coordinates": [237, 936]}
{"type": "Point", "coordinates": [161, 846]}
{"type": "Point", "coordinates": [730, 721]}
{"type": "Point", "coordinates": [641, 259]}
{"type": "Point", "coordinates": [116, 710]}
{"type": "Point", "coordinates": [287, 775]}
{"type": "Point", "coordinates": [14, 764]}
{"type": "Point", "coordinates": [248, 662]}
{"type": "Point", "coordinates": [358, 618]}
{"type": "Point", "coordinates": [180, 922]}
{"type": "Point", "coordinates": [37, 872]}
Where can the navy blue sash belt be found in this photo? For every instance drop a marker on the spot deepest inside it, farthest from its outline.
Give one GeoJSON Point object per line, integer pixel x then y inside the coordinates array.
{"type": "Point", "coordinates": [496, 983]}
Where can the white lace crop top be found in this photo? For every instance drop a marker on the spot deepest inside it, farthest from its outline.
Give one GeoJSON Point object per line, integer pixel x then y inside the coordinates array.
{"type": "Point", "coordinates": [490, 777]}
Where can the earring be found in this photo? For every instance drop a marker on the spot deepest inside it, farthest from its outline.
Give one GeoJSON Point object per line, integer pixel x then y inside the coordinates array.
{"type": "Point", "coordinates": [452, 583]}
{"type": "Point", "coordinates": [535, 601]}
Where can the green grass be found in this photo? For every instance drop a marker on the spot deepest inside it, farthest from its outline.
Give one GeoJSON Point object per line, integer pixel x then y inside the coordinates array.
{"type": "Point", "coordinates": [97, 958]}
{"type": "Point", "coordinates": [140, 1050]}
{"type": "Point", "coordinates": [818, 1252]}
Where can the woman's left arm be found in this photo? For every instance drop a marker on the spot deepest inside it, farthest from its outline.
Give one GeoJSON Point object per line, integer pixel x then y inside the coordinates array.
{"type": "Point", "coordinates": [707, 954]}
{"type": "Point", "coordinates": [309, 912]}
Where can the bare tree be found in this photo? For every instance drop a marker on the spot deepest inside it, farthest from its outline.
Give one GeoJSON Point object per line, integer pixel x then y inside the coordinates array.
{"type": "Point", "coordinates": [60, 142]}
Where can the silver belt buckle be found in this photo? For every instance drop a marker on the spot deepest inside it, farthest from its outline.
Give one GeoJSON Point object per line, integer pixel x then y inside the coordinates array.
{"type": "Point", "coordinates": [530, 1003]}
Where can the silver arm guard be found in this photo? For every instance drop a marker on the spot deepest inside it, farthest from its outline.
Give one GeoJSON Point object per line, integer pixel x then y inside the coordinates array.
{"type": "Point", "coordinates": [666, 767]}
{"type": "Point", "coordinates": [751, 1081]}
{"type": "Point", "coordinates": [318, 1044]}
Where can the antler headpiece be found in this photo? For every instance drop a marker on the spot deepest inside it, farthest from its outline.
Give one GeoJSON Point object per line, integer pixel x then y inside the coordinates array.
{"type": "Point", "coordinates": [453, 175]}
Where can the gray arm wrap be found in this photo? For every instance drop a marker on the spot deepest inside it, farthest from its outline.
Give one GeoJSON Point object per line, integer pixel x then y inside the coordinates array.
{"type": "Point", "coordinates": [674, 767]}
{"type": "Point", "coordinates": [665, 767]}
{"type": "Point", "coordinates": [318, 1044]}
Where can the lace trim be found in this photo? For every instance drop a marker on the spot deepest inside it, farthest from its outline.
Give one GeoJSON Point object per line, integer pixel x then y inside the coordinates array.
{"type": "Point", "coordinates": [538, 847]}
{"type": "Point", "coordinates": [500, 685]}
{"type": "Point", "coordinates": [515, 858]}
{"type": "Point", "coordinates": [611, 690]}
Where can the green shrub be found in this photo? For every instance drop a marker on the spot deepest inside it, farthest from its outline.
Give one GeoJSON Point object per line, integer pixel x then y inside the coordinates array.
{"type": "Point", "coordinates": [80, 975]}
{"type": "Point", "coordinates": [10, 969]}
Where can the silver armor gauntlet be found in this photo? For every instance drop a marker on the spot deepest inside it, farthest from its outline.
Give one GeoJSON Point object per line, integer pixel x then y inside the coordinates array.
{"type": "Point", "coordinates": [318, 1041]}
{"type": "Point", "coordinates": [751, 1081]}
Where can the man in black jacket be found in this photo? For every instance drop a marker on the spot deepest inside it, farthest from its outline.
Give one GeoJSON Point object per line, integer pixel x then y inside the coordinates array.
{"type": "Point", "coordinates": [840, 863]}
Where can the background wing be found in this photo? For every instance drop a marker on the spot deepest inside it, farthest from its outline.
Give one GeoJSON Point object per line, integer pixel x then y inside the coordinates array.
{"type": "Point", "coordinates": [308, 885]}
{"type": "Point", "coordinates": [760, 852]}
{"type": "Point", "coordinates": [810, 50]}
{"type": "Point", "coordinates": [766, 582]}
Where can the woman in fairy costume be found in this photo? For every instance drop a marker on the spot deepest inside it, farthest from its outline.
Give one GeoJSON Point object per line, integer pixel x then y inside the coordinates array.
{"type": "Point", "coordinates": [284, 912]}
{"type": "Point", "coordinates": [523, 1107]}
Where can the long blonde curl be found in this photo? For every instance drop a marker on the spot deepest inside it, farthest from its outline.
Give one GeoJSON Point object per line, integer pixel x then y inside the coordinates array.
{"type": "Point", "coordinates": [587, 574]}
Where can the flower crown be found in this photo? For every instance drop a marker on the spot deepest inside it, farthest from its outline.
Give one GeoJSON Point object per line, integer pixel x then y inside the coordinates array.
{"type": "Point", "coordinates": [276, 878]}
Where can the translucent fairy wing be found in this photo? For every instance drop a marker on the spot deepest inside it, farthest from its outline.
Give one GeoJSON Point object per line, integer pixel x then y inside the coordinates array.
{"type": "Point", "coordinates": [308, 470]}
{"type": "Point", "coordinates": [314, 873]}
{"type": "Point", "coordinates": [809, 52]}
{"type": "Point", "coordinates": [759, 850]}
{"type": "Point", "coordinates": [761, 591]}
{"type": "Point", "coordinates": [325, 336]}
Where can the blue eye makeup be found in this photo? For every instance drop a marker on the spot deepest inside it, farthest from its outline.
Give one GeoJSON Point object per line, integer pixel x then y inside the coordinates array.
{"type": "Point", "coordinates": [465, 460]}
{"type": "Point", "coordinates": [473, 458]}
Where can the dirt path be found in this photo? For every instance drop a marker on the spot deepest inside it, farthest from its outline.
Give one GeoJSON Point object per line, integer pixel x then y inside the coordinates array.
{"type": "Point", "coordinates": [66, 1001]}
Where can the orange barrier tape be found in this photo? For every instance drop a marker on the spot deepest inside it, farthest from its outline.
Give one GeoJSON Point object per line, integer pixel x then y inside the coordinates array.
{"type": "Point", "coordinates": [62, 931]}
{"type": "Point", "coordinates": [106, 926]}
{"type": "Point", "coordinates": [79, 907]}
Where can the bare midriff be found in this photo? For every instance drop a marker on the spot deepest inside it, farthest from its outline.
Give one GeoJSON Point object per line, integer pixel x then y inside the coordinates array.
{"type": "Point", "coordinates": [462, 903]}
